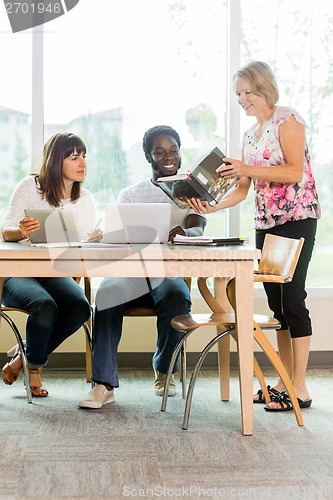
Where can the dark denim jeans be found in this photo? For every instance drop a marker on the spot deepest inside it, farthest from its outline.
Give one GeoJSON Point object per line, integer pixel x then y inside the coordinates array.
{"type": "Point", "coordinates": [170, 297]}
{"type": "Point", "coordinates": [57, 308]}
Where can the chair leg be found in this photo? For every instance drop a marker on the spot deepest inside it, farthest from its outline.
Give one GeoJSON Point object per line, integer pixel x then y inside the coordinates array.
{"type": "Point", "coordinates": [172, 364]}
{"type": "Point", "coordinates": [22, 353]}
{"type": "Point", "coordinates": [88, 329]}
{"type": "Point", "coordinates": [25, 372]}
{"type": "Point", "coordinates": [195, 372]}
{"type": "Point", "coordinates": [88, 351]}
{"type": "Point", "coordinates": [183, 369]}
{"type": "Point", "coordinates": [261, 379]}
{"type": "Point", "coordinates": [88, 362]}
{"type": "Point", "coordinates": [270, 352]}
{"type": "Point", "coordinates": [258, 373]}
{"type": "Point", "coordinates": [222, 305]}
{"type": "Point", "coordinates": [224, 367]}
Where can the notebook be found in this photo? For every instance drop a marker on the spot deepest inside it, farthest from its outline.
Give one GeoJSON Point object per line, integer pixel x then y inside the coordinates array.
{"type": "Point", "coordinates": [137, 223]}
{"type": "Point", "coordinates": [208, 240]}
{"type": "Point", "coordinates": [58, 227]}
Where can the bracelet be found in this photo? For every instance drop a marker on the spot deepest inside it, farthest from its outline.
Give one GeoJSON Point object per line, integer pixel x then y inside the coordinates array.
{"type": "Point", "coordinates": [22, 235]}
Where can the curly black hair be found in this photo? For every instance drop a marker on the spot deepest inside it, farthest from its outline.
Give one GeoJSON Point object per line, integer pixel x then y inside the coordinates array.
{"type": "Point", "coordinates": [154, 132]}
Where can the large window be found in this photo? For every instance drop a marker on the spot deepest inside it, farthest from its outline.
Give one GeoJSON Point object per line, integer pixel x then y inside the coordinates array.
{"type": "Point", "coordinates": [113, 69]}
{"type": "Point", "coordinates": [143, 63]}
{"type": "Point", "coordinates": [15, 108]}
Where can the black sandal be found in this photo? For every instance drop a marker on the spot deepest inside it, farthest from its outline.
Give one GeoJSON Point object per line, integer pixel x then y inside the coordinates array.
{"type": "Point", "coordinates": [285, 403]}
{"type": "Point", "coordinates": [271, 391]}
{"type": "Point", "coordinates": [283, 400]}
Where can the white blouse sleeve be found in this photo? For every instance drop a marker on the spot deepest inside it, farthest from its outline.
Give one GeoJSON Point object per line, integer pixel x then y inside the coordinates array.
{"type": "Point", "coordinates": [86, 213]}
{"type": "Point", "coordinates": [25, 195]}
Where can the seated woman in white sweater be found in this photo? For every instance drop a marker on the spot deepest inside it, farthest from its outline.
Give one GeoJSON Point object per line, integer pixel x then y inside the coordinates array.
{"type": "Point", "coordinates": [57, 307]}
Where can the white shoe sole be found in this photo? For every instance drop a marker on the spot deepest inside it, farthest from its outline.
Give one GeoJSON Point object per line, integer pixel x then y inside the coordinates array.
{"type": "Point", "coordinates": [93, 405]}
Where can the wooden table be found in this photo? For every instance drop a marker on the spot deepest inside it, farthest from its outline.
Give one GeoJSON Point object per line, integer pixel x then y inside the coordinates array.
{"type": "Point", "coordinates": [17, 259]}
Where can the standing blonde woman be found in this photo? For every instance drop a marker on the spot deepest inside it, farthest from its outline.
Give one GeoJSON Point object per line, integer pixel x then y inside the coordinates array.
{"type": "Point", "coordinates": [275, 158]}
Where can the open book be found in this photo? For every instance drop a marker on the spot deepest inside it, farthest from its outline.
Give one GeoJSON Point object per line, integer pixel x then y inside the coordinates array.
{"type": "Point", "coordinates": [201, 181]}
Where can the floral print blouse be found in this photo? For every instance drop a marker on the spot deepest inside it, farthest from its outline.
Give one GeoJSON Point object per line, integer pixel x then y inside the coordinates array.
{"type": "Point", "coordinates": [277, 203]}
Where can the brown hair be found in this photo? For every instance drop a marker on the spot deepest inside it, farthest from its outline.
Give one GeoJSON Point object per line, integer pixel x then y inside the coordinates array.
{"type": "Point", "coordinates": [262, 81]}
{"type": "Point", "coordinates": [50, 177]}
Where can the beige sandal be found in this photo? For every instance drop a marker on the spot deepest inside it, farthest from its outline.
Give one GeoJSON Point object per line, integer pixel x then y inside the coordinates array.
{"type": "Point", "coordinates": [38, 391]}
{"type": "Point", "coordinates": [9, 373]}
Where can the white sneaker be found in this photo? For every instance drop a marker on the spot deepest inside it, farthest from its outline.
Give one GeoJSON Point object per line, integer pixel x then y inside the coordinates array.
{"type": "Point", "coordinates": [97, 397]}
{"type": "Point", "coordinates": [159, 384]}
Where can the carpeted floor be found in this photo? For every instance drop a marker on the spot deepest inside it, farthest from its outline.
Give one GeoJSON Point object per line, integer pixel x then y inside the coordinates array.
{"type": "Point", "coordinates": [51, 449]}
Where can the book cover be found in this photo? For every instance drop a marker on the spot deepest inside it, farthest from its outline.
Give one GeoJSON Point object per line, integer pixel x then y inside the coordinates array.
{"type": "Point", "coordinates": [201, 181]}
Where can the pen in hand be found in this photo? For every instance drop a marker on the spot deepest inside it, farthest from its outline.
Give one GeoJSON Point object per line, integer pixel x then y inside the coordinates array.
{"type": "Point", "coordinates": [95, 234]}
{"type": "Point", "coordinates": [97, 224]}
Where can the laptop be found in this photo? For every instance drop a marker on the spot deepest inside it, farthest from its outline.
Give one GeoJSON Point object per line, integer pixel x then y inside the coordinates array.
{"type": "Point", "coordinates": [137, 223]}
{"type": "Point", "coordinates": [58, 227]}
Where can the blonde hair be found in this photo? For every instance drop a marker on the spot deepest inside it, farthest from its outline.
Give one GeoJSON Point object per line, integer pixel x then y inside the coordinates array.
{"type": "Point", "coordinates": [261, 79]}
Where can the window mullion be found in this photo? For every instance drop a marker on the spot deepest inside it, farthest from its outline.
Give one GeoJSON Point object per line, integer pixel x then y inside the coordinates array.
{"type": "Point", "coordinates": [37, 112]}
{"type": "Point", "coordinates": [233, 43]}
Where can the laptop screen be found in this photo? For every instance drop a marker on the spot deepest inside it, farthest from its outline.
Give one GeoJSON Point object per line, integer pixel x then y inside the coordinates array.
{"type": "Point", "coordinates": [137, 223]}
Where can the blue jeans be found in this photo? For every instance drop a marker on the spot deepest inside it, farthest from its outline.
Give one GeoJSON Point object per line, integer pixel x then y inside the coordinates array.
{"type": "Point", "coordinates": [57, 308]}
{"type": "Point", "coordinates": [170, 298]}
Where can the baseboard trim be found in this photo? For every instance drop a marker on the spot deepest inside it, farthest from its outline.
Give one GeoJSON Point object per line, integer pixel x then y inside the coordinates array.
{"type": "Point", "coordinates": [142, 360]}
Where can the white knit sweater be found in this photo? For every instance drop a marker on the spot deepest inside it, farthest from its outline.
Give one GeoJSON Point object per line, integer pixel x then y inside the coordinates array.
{"type": "Point", "coordinates": [26, 195]}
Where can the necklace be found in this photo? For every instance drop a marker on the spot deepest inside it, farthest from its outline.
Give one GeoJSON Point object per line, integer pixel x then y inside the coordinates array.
{"type": "Point", "coordinates": [260, 129]}
{"type": "Point", "coordinates": [260, 132]}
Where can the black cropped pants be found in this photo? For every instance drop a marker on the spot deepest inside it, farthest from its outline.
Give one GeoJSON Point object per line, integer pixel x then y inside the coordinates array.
{"type": "Point", "coordinates": [287, 300]}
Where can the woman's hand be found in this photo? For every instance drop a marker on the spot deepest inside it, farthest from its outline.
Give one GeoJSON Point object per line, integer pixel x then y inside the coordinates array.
{"type": "Point", "coordinates": [28, 225]}
{"type": "Point", "coordinates": [95, 235]}
{"type": "Point", "coordinates": [200, 206]}
{"type": "Point", "coordinates": [236, 168]}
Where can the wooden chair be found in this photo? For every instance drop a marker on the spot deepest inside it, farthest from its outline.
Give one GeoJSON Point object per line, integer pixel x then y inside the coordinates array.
{"type": "Point", "coordinates": [141, 312]}
{"type": "Point", "coordinates": [278, 261]}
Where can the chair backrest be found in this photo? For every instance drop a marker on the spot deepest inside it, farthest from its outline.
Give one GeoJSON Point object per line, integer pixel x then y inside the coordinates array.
{"type": "Point", "coordinates": [279, 256]}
